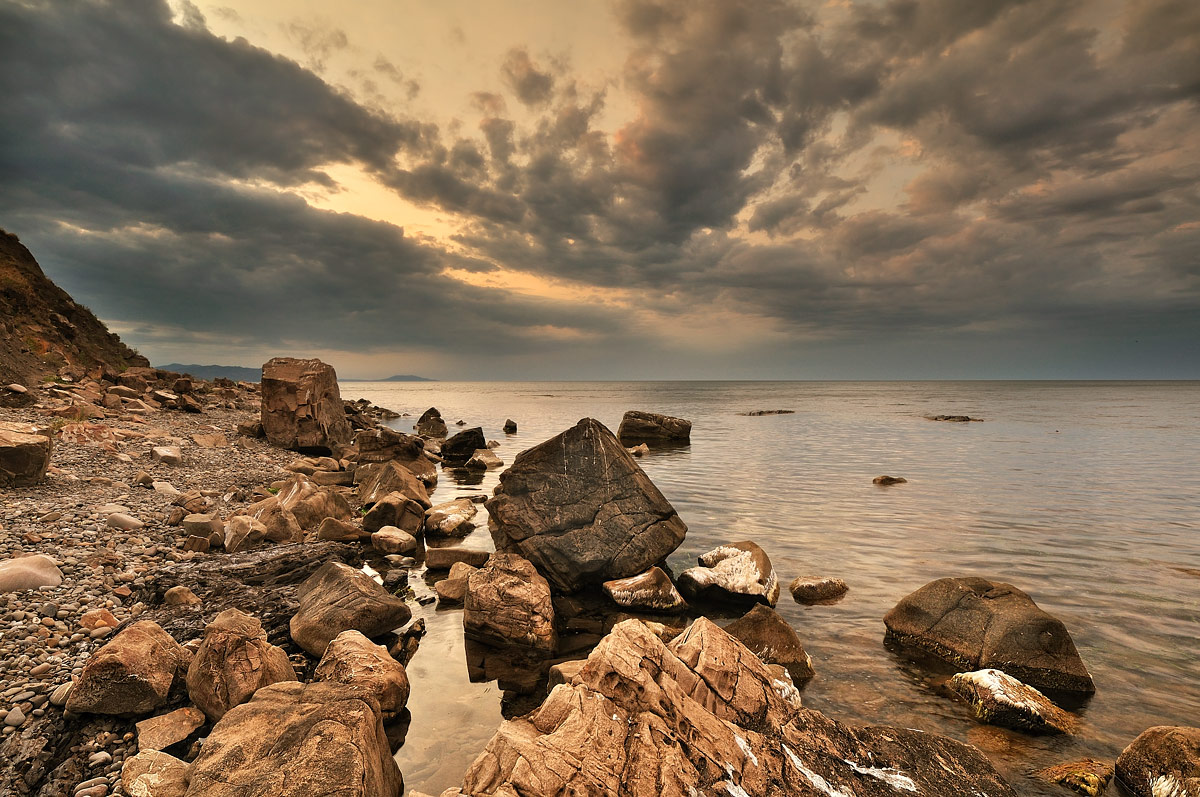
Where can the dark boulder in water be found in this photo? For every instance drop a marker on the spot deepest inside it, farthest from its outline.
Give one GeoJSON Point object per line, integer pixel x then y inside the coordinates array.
{"type": "Point", "coordinates": [769, 637]}
{"type": "Point", "coordinates": [431, 424]}
{"type": "Point", "coordinates": [638, 426]}
{"type": "Point", "coordinates": [976, 624]}
{"type": "Point", "coordinates": [462, 446]}
{"type": "Point", "coordinates": [582, 511]}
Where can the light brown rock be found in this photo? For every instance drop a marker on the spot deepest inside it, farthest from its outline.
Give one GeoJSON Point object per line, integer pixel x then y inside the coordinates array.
{"type": "Point", "coordinates": [301, 406]}
{"type": "Point", "coordinates": [29, 572]}
{"type": "Point", "coordinates": [377, 479]}
{"type": "Point", "coordinates": [451, 519]}
{"type": "Point", "coordinates": [508, 604]}
{"type": "Point", "coordinates": [738, 572]}
{"type": "Point", "coordinates": [338, 598]}
{"type": "Point", "coordinates": [158, 733]}
{"type": "Point", "coordinates": [342, 530]}
{"type": "Point", "coordinates": [242, 532]}
{"type": "Point", "coordinates": [769, 637]}
{"type": "Point", "coordinates": [366, 668]}
{"type": "Point", "coordinates": [151, 773]}
{"type": "Point", "coordinates": [1163, 761]}
{"type": "Point", "coordinates": [390, 539]}
{"type": "Point", "coordinates": [132, 674]}
{"type": "Point", "coordinates": [234, 661]}
{"type": "Point", "coordinates": [651, 591]}
{"type": "Point", "coordinates": [395, 509]}
{"type": "Point", "coordinates": [24, 454]}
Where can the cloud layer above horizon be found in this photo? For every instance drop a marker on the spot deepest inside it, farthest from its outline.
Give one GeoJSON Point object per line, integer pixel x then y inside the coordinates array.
{"type": "Point", "coordinates": [757, 189]}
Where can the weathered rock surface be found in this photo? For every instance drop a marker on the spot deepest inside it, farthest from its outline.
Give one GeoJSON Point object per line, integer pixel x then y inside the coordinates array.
{"type": "Point", "coordinates": [338, 598]}
{"type": "Point", "coordinates": [651, 591]}
{"type": "Point", "coordinates": [431, 424]}
{"type": "Point", "coordinates": [302, 407]}
{"type": "Point", "coordinates": [446, 558]}
{"type": "Point", "coordinates": [459, 448]}
{"type": "Point", "coordinates": [382, 444]}
{"type": "Point", "coordinates": [975, 623]}
{"type": "Point", "coordinates": [298, 740]}
{"type": "Point", "coordinates": [484, 459]}
{"type": "Point", "coordinates": [582, 511]}
{"type": "Point", "coordinates": [739, 572]}
{"type": "Point", "coordinates": [451, 519]}
{"type": "Point", "coordinates": [233, 662]}
{"type": "Point", "coordinates": [703, 715]}
{"type": "Point", "coordinates": [365, 668]}
{"type": "Point", "coordinates": [395, 509]}
{"type": "Point", "coordinates": [637, 426]}
{"type": "Point", "coordinates": [311, 504]}
{"type": "Point", "coordinates": [390, 539]}
{"type": "Point", "coordinates": [29, 572]}
{"type": "Point", "coordinates": [1163, 761]}
{"type": "Point", "coordinates": [452, 590]}
{"type": "Point", "coordinates": [132, 674]}
{"type": "Point", "coordinates": [379, 479]}
{"type": "Point", "coordinates": [242, 532]}
{"type": "Point", "coordinates": [151, 773]}
{"type": "Point", "coordinates": [24, 454]}
{"type": "Point", "coordinates": [769, 637]}
{"type": "Point", "coordinates": [1087, 776]}
{"type": "Point", "coordinates": [508, 604]}
{"type": "Point", "coordinates": [157, 733]}
{"type": "Point", "coordinates": [817, 590]}
{"type": "Point", "coordinates": [999, 699]}
{"type": "Point", "coordinates": [334, 529]}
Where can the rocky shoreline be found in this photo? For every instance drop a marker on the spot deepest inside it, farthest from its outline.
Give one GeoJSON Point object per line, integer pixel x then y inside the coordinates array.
{"type": "Point", "coordinates": [209, 623]}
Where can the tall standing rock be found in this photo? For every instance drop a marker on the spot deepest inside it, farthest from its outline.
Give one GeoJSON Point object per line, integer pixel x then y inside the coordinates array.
{"type": "Point", "coordinates": [233, 662]}
{"type": "Point", "coordinates": [582, 511]}
{"type": "Point", "coordinates": [301, 406]}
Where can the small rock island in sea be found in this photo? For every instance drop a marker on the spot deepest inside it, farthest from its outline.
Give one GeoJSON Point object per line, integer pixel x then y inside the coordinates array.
{"type": "Point", "coordinates": [205, 590]}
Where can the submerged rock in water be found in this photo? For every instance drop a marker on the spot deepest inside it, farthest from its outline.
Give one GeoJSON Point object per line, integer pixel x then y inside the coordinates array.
{"type": "Point", "coordinates": [739, 572]}
{"type": "Point", "coordinates": [459, 448]}
{"type": "Point", "coordinates": [1086, 776]}
{"type": "Point", "coordinates": [582, 511]}
{"type": "Point", "coordinates": [431, 424]}
{"type": "Point", "coordinates": [703, 715]}
{"type": "Point", "coordinates": [887, 481]}
{"type": "Point", "coordinates": [1163, 761]}
{"type": "Point", "coordinates": [817, 590]}
{"type": "Point", "coordinates": [298, 740]}
{"type": "Point", "coordinates": [769, 637]}
{"type": "Point", "coordinates": [999, 699]}
{"type": "Point", "coordinates": [301, 406]}
{"type": "Point", "coordinates": [452, 519]}
{"type": "Point", "coordinates": [650, 591]}
{"type": "Point", "coordinates": [978, 624]}
{"type": "Point", "coordinates": [637, 426]}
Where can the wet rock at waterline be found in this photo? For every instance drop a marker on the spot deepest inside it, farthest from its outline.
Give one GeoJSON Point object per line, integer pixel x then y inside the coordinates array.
{"type": "Point", "coordinates": [431, 424]}
{"type": "Point", "coordinates": [452, 590]}
{"type": "Point", "coordinates": [233, 662]}
{"type": "Point", "coordinates": [975, 623]}
{"type": "Point", "coordinates": [395, 509]}
{"type": "Point", "coordinates": [338, 598]}
{"type": "Point", "coordinates": [887, 481]}
{"type": "Point", "coordinates": [1086, 776]}
{"type": "Point", "coordinates": [378, 479]}
{"type": "Point", "coordinates": [997, 698]}
{"type": "Point", "coordinates": [132, 674]}
{"type": "Point", "coordinates": [459, 448]}
{"type": "Point", "coordinates": [703, 715]}
{"type": "Point", "coordinates": [382, 444]}
{"type": "Point", "coordinates": [451, 519]}
{"type": "Point", "coordinates": [393, 540]}
{"type": "Point", "coordinates": [298, 740]}
{"type": "Point", "coordinates": [817, 590]}
{"type": "Point", "coordinates": [769, 637]}
{"type": "Point", "coordinates": [365, 668]}
{"type": "Point", "coordinates": [510, 426]}
{"type": "Point", "coordinates": [582, 511]}
{"type": "Point", "coordinates": [1163, 761]}
{"type": "Point", "coordinates": [484, 459]}
{"type": "Point", "coordinates": [301, 407]}
{"type": "Point", "coordinates": [651, 591]}
{"type": "Point", "coordinates": [637, 426]}
{"type": "Point", "coordinates": [508, 604]}
{"type": "Point", "coordinates": [446, 558]}
{"type": "Point", "coordinates": [738, 572]}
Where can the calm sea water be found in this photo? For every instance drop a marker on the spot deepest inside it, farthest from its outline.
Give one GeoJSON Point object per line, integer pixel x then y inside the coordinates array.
{"type": "Point", "coordinates": [1084, 494]}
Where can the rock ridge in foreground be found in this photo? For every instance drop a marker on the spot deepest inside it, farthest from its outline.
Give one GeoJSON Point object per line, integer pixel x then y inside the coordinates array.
{"type": "Point", "coordinates": [703, 715]}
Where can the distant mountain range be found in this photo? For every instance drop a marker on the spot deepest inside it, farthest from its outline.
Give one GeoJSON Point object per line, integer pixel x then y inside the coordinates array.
{"type": "Point", "coordinates": [235, 372]}
{"type": "Point", "coordinates": [407, 378]}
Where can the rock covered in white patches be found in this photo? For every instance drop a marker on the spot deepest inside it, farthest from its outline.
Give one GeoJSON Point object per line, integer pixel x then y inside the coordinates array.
{"type": "Point", "coordinates": [739, 572]}
{"type": "Point", "coordinates": [650, 591]}
{"type": "Point", "coordinates": [1163, 761]}
{"type": "Point", "coordinates": [452, 518]}
{"type": "Point", "coordinates": [999, 699]}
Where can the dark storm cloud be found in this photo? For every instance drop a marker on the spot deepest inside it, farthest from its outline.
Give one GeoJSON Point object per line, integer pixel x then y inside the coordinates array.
{"type": "Point", "coordinates": [916, 171]}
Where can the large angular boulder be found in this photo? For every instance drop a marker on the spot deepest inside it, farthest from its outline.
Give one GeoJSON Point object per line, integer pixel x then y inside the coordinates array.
{"type": "Point", "coordinates": [738, 572]}
{"type": "Point", "coordinates": [651, 591]}
{"type": "Point", "coordinates": [431, 424]}
{"type": "Point", "coordinates": [997, 698]}
{"type": "Point", "coordinates": [508, 604]}
{"type": "Point", "coordinates": [24, 453]}
{"type": "Point", "coordinates": [451, 519]}
{"type": "Point", "coordinates": [310, 504]}
{"type": "Point", "coordinates": [233, 662]}
{"type": "Point", "coordinates": [462, 446]}
{"type": "Point", "coordinates": [1163, 761]}
{"type": "Point", "coordinates": [366, 668]}
{"type": "Point", "coordinates": [132, 674]}
{"type": "Point", "coordinates": [579, 507]}
{"type": "Point", "coordinates": [298, 740]}
{"type": "Point", "coordinates": [395, 509]}
{"type": "Point", "coordinates": [382, 444]}
{"type": "Point", "coordinates": [378, 479]}
{"type": "Point", "coordinates": [977, 624]}
{"type": "Point", "coordinates": [769, 637]}
{"type": "Point", "coordinates": [338, 598]}
{"type": "Point", "coordinates": [638, 427]}
{"type": "Point", "coordinates": [279, 524]}
{"type": "Point", "coordinates": [703, 715]}
{"type": "Point", "coordinates": [29, 572]}
{"type": "Point", "coordinates": [301, 406]}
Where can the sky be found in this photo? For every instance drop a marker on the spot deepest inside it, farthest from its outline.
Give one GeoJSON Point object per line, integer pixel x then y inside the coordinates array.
{"type": "Point", "coordinates": [634, 189]}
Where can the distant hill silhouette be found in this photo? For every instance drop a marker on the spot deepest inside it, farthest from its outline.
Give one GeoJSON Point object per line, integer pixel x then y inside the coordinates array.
{"type": "Point", "coordinates": [43, 332]}
{"type": "Point", "coordinates": [237, 373]}
{"type": "Point", "coordinates": [407, 378]}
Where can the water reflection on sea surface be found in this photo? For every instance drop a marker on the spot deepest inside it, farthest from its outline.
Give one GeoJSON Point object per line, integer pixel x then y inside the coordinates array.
{"type": "Point", "coordinates": [1085, 495]}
